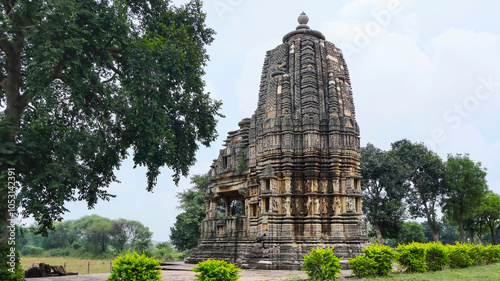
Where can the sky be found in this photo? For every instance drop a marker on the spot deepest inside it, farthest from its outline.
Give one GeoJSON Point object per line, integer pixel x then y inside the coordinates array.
{"type": "Point", "coordinates": [427, 71]}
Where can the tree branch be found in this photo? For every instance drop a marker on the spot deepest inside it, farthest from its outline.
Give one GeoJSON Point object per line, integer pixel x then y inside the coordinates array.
{"type": "Point", "coordinates": [57, 74]}
{"type": "Point", "coordinates": [115, 70]}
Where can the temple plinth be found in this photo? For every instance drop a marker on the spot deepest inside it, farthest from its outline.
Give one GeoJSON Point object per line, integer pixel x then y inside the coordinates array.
{"type": "Point", "coordinates": [294, 165]}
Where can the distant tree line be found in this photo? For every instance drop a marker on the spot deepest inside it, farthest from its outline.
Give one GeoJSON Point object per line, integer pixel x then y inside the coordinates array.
{"type": "Point", "coordinates": [411, 181]}
{"type": "Point", "coordinates": [89, 236]}
{"type": "Point", "coordinates": [405, 183]}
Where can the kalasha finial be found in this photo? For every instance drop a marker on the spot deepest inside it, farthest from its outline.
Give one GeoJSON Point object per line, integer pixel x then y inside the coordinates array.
{"type": "Point", "coordinates": [303, 19]}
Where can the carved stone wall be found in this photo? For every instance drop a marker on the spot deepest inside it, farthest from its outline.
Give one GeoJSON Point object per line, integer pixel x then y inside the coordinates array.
{"type": "Point", "coordinates": [294, 164]}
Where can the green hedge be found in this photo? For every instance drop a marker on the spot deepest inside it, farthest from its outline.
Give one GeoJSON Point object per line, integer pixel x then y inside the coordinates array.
{"type": "Point", "coordinates": [460, 256]}
{"type": "Point", "coordinates": [418, 257]}
{"type": "Point", "coordinates": [412, 256]}
{"type": "Point", "coordinates": [437, 256]}
{"type": "Point", "coordinates": [376, 262]}
{"type": "Point", "coordinates": [492, 253]}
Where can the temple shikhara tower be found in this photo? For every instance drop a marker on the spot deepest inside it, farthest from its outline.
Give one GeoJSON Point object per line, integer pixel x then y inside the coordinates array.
{"type": "Point", "coordinates": [294, 165]}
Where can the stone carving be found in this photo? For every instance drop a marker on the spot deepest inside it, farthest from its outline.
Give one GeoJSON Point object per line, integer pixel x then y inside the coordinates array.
{"type": "Point", "coordinates": [309, 206]}
{"type": "Point", "coordinates": [350, 204]}
{"type": "Point", "coordinates": [274, 204]}
{"type": "Point", "coordinates": [301, 153]}
{"type": "Point", "coordinates": [288, 186]}
{"type": "Point", "coordinates": [325, 206]}
{"type": "Point", "coordinates": [338, 207]}
{"type": "Point", "coordinates": [287, 207]}
{"type": "Point", "coordinates": [314, 186]}
{"type": "Point", "coordinates": [317, 205]}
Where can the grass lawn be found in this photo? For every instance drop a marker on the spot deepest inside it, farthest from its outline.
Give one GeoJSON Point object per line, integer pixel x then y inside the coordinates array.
{"type": "Point", "coordinates": [484, 273]}
{"type": "Point", "coordinates": [72, 264]}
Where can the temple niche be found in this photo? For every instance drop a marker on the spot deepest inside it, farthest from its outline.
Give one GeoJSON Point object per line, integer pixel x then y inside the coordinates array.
{"type": "Point", "coordinates": [294, 165]}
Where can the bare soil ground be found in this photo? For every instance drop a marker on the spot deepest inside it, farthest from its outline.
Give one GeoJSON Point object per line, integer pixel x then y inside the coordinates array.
{"type": "Point", "coordinates": [180, 271]}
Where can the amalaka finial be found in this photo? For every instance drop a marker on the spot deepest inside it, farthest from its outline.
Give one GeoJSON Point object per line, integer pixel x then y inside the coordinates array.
{"type": "Point", "coordinates": [303, 19]}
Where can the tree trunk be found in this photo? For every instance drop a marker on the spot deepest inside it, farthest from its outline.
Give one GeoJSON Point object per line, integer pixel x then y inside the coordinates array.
{"type": "Point", "coordinates": [379, 234]}
{"type": "Point", "coordinates": [495, 238]}
{"type": "Point", "coordinates": [461, 229]}
{"type": "Point", "coordinates": [434, 232]}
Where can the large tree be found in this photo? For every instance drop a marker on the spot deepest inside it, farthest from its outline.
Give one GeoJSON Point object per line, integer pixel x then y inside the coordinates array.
{"type": "Point", "coordinates": [84, 82]}
{"type": "Point", "coordinates": [186, 231]}
{"type": "Point", "coordinates": [465, 183]}
{"type": "Point", "coordinates": [131, 234]}
{"type": "Point", "coordinates": [425, 175]}
{"type": "Point", "coordinates": [490, 211]}
{"type": "Point", "coordinates": [384, 188]}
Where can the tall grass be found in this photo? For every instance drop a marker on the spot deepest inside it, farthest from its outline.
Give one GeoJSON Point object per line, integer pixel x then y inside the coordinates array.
{"type": "Point", "coordinates": [72, 264]}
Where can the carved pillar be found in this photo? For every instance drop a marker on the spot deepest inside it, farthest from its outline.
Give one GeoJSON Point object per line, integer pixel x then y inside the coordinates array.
{"type": "Point", "coordinates": [213, 208]}
{"type": "Point", "coordinates": [207, 208]}
{"type": "Point", "coordinates": [228, 205]}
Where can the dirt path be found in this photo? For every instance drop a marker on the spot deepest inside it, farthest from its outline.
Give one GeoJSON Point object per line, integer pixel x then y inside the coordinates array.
{"type": "Point", "coordinates": [181, 272]}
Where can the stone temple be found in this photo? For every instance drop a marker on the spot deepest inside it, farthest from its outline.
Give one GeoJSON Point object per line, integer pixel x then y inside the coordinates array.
{"type": "Point", "coordinates": [294, 165]}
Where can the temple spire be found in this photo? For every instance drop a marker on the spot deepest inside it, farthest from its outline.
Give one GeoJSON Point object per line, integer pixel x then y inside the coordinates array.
{"type": "Point", "coordinates": [303, 19]}
{"type": "Point", "coordinates": [303, 28]}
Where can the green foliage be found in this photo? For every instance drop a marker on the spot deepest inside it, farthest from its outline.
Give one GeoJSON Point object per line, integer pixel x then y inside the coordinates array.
{"type": "Point", "coordinates": [87, 237]}
{"type": "Point", "coordinates": [460, 255]}
{"type": "Point", "coordinates": [466, 185]}
{"type": "Point", "coordinates": [378, 261]}
{"type": "Point", "coordinates": [383, 257]}
{"type": "Point", "coordinates": [490, 212]}
{"type": "Point", "coordinates": [363, 266]}
{"type": "Point", "coordinates": [384, 186]}
{"type": "Point", "coordinates": [436, 256]}
{"type": "Point", "coordinates": [321, 264]}
{"type": "Point", "coordinates": [58, 252]}
{"type": "Point", "coordinates": [216, 270]}
{"type": "Point", "coordinates": [476, 253]}
{"type": "Point", "coordinates": [164, 251]}
{"type": "Point", "coordinates": [412, 256]}
{"type": "Point", "coordinates": [411, 232]}
{"type": "Point", "coordinates": [30, 250]}
{"type": "Point", "coordinates": [133, 266]}
{"type": "Point", "coordinates": [447, 233]}
{"type": "Point", "coordinates": [11, 269]}
{"type": "Point", "coordinates": [241, 164]}
{"type": "Point", "coordinates": [492, 253]}
{"type": "Point", "coordinates": [425, 169]}
{"type": "Point", "coordinates": [89, 81]}
{"type": "Point", "coordinates": [187, 227]}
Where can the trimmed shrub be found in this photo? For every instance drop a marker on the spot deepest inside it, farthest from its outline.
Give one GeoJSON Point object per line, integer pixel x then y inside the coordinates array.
{"type": "Point", "coordinates": [437, 256]}
{"type": "Point", "coordinates": [216, 270]}
{"type": "Point", "coordinates": [133, 266]}
{"type": "Point", "coordinates": [476, 253]}
{"type": "Point", "coordinates": [492, 253]}
{"type": "Point", "coordinates": [363, 266]}
{"type": "Point", "coordinates": [321, 264]}
{"type": "Point", "coordinates": [459, 256]}
{"type": "Point", "coordinates": [378, 261]}
{"type": "Point", "coordinates": [412, 256]}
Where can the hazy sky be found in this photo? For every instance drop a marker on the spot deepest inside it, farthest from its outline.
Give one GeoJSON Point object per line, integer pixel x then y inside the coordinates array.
{"type": "Point", "coordinates": [422, 70]}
